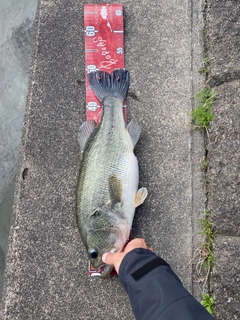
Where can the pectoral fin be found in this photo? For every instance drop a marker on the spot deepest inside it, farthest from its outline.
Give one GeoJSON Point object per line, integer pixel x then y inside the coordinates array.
{"type": "Point", "coordinates": [85, 131]}
{"type": "Point", "coordinates": [115, 190]}
{"type": "Point", "coordinates": [140, 196]}
{"type": "Point", "coordinates": [134, 130]}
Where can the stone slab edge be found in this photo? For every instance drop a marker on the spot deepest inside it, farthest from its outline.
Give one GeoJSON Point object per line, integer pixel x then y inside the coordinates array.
{"type": "Point", "coordinates": [222, 39]}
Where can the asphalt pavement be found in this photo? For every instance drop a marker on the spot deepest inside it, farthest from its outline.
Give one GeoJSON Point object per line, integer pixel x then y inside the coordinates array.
{"type": "Point", "coordinates": [46, 275]}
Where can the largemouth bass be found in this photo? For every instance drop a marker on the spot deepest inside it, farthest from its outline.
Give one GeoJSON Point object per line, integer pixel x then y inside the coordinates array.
{"type": "Point", "coordinates": [107, 189]}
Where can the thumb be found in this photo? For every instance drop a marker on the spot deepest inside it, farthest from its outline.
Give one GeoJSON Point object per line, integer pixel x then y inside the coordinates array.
{"type": "Point", "coordinates": [113, 258]}
{"type": "Point", "coordinates": [107, 258]}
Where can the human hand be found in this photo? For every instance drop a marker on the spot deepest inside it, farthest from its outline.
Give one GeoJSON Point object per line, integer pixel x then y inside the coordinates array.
{"type": "Point", "coordinates": [116, 258]}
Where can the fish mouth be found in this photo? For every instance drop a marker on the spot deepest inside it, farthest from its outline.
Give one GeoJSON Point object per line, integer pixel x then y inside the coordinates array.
{"type": "Point", "coordinates": [106, 269]}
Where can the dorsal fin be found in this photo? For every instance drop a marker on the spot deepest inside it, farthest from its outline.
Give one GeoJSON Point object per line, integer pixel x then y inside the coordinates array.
{"type": "Point", "coordinates": [134, 130]}
{"type": "Point", "coordinates": [85, 131]}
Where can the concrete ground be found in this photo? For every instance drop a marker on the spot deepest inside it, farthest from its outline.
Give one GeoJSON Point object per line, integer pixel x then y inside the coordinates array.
{"type": "Point", "coordinates": [223, 38]}
{"type": "Point", "coordinates": [46, 275]}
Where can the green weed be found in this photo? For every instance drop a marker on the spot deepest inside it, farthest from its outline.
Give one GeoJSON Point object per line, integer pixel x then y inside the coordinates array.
{"type": "Point", "coordinates": [209, 232]}
{"type": "Point", "coordinates": [207, 255]}
{"type": "Point", "coordinates": [204, 68]}
{"type": "Point", "coordinates": [204, 258]}
{"type": "Point", "coordinates": [207, 302]}
{"type": "Point", "coordinates": [203, 114]}
{"type": "Point", "coordinates": [208, 227]}
{"type": "Point", "coordinates": [203, 163]}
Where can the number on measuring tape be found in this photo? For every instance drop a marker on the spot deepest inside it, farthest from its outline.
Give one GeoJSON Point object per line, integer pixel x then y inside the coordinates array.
{"type": "Point", "coordinates": [91, 68]}
{"type": "Point", "coordinates": [118, 12]}
{"type": "Point", "coordinates": [90, 31]}
{"type": "Point", "coordinates": [93, 106]}
{"type": "Point", "coordinates": [119, 50]}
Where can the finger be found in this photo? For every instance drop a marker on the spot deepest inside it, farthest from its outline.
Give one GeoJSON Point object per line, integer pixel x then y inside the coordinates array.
{"type": "Point", "coordinates": [107, 258]}
{"type": "Point", "coordinates": [136, 243]}
{"type": "Point", "coordinates": [113, 258]}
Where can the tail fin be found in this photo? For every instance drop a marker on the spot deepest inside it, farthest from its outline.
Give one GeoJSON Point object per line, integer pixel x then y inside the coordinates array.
{"type": "Point", "coordinates": [105, 85]}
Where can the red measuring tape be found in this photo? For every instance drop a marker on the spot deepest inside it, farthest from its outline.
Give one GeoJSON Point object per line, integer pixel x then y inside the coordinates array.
{"type": "Point", "coordinates": [104, 47]}
{"type": "Point", "coordinates": [104, 50]}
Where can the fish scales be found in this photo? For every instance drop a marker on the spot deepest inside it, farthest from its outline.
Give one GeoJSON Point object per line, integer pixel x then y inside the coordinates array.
{"type": "Point", "coordinates": [107, 190]}
{"type": "Point", "coordinates": [110, 152]}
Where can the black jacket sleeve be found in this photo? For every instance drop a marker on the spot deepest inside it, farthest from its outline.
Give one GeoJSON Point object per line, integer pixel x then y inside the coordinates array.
{"type": "Point", "coordinates": [155, 292]}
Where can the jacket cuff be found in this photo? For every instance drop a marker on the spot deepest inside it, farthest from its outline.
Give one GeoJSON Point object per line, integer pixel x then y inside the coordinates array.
{"type": "Point", "coordinates": [139, 262]}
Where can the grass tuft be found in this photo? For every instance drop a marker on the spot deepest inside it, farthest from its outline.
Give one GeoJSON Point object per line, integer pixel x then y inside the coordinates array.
{"type": "Point", "coordinates": [209, 232]}
{"type": "Point", "coordinates": [204, 259]}
{"type": "Point", "coordinates": [204, 68]}
{"type": "Point", "coordinates": [203, 114]}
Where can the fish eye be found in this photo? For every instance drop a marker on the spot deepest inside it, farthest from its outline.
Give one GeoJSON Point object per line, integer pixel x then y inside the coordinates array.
{"type": "Point", "coordinates": [93, 253]}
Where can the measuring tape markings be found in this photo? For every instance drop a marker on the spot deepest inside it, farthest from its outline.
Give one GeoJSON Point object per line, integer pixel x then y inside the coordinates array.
{"type": "Point", "coordinates": [104, 47]}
